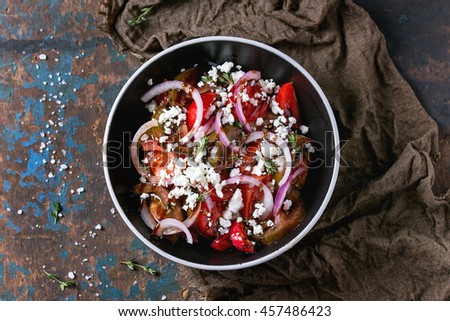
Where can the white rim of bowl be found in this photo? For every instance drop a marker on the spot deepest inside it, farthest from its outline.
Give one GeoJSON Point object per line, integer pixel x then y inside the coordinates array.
{"type": "Point", "coordinates": [317, 215]}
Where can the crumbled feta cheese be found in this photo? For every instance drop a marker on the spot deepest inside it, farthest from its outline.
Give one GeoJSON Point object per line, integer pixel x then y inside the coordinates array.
{"type": "Point", "coordinates": [151, 106]}
{"type": "Point", "coordinates": [276, 108]}
{"type": "Point", "coordinates": [235, 172]}
{"type": "Point", "coordinates": [287, 204]}
{"type": "Point", "coordinates": [213, 74]}
{"type": "Point", "coordinates": [237, 75]}
{"type": "Point", "coordinates": [163, 139]}
{"type": "Point", "coordinates": [150, 82]}
{"type": "Point", "coordinates": [42, 57]}
{"type": "Point", "coordinates": [20, 212]}
{"type": "Point", "coordinates": [98, 227]}
{"type": "Point", "coordinates": [256, 228]}
{"type": "Point", "coordinates": [80, 190]}
{"type": "Point", "coordinates": [259, 121]}
{"type": "Point", "coordinates": [269, 223]}
{"type": "Point", "coordinates": [310, 148]}
{"type": "Point", "coordinates": [226, 66]}
{"type": "Point", "coordinates": [259, 210]}
{"type": "Point", "coordinates": [234, 205]}
{"type": "Point", "coordinates": [304, 129]}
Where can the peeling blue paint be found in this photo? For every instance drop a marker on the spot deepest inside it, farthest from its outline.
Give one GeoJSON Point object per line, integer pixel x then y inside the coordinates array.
{"type": "Point", "coordinates": [135, 292]}
{"type": "Point", "coordinates": [108, 292]}
{"type": "Point", "coordinates": [63, 254]}
{"type": "Point", "coordinates": [11, 225]}
{"type": "Point", "coordinates": [2, 270]}
{"type": "Point", "coordinates": [138, 245]}
{"type": "Point", "coordinates": [11, 136]}
{"type": "Point", "coordinates": [27, 291]}
{"type": "Point", "coordinates": [164, 284]}
{"type": "Point", "coordinates": [15, 268]}
{"type": "Point", "coordinates": [109, 93]}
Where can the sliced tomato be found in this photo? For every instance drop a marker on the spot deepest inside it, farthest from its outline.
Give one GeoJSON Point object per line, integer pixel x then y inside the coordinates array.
{"type": "Point", "coordinates": [227, 191]}
{"type": "Point", "coordinates": [287, 100]}
{"type": "Point", "coordinates": [239, 238]}
{"type": "Point", "coordinates": [222, 243]}
{"type": "Point", "coordinates": [207, 221]}
{"type": "Point", "coordinates": [250, 195]}
{"type": "Point", "coordinates": [207, 99]}
{"type": "Point", "coordinates": [159, 161]}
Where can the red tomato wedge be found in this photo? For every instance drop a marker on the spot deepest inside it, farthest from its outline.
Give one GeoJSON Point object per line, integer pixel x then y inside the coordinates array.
{"type": "Point", "coordinates": [207, 99]}
{"type": "Point", "coordinates": [239, 238]}
{"type": "Point", "coordinates": [287, 100]}
{"type": "Point", "coordinates": [222, 243]}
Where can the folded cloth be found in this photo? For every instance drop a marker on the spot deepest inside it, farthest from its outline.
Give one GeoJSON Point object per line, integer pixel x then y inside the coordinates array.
{"type": "Point", "coordinates": [384, 236]}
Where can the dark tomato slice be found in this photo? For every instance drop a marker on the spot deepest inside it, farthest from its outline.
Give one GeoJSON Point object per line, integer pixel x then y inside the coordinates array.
{"type": "Point", "coordinates": [222, 243]}
{"type": "Point", "coordinates": [207, 99]}
{"type": "Point", "coordinates": [287, 100]}
{"type": "Point", "coordinates": [239, 238]}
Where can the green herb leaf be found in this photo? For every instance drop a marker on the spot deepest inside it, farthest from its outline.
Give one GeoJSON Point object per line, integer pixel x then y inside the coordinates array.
{"type": "Point", "coordinates": [141, 18]}
{"type": "Point", "coordinates": [56, 209]}
{"type": "Point", "coordinates": [133, 265]}
{"type": "Point", "coordinates": [201, 145]}
{"type": "Point", "coordinates": [206, 79]}
{"type": "Point", "coordinates": [226, 78]}
{"type": "Point", "coordinates": [271, 167]}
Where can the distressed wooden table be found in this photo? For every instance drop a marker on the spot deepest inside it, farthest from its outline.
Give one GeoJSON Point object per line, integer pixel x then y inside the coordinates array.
{"type": "Point", "coordinates": [59, 78]}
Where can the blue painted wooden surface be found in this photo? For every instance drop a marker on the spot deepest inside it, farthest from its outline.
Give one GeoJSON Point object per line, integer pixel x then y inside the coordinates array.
{"type": "Point", "coordinates": [75, 87]}
{"type": "Point", "coordinates": [56, 108]}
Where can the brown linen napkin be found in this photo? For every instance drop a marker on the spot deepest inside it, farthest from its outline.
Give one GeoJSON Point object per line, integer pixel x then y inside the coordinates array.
{"type": "Point", "coordinates": [384, 236]}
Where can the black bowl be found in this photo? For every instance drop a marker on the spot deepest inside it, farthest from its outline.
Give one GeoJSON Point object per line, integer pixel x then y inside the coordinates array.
{"type": "Point", "coordinates": [128, 114]}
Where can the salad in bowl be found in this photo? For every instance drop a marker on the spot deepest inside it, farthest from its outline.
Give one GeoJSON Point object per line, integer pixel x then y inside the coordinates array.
{"type": "Point", "coordinates": [222, 158]}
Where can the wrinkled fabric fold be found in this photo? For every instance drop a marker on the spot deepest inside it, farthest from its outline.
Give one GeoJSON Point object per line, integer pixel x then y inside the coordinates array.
{"type": "Point", "coordinates": [384, 236]}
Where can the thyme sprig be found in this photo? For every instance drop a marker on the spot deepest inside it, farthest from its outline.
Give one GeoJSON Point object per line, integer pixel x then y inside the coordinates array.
{"type": "Point", "coordinates": [62, 284]}
{"type": "Point", "coordinates": [271, 167]}
{"type": "Point", "coordinates": [133, 265]}
{"type": "Point", "coordinates": [142, 17]}
{"type": "Point", "coordinates": [56, 209]}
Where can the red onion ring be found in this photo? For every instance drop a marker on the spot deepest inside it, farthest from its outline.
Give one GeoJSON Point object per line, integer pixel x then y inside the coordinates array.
{"type": "Point", "coordinates": [268, 198]}
{"type": "Point", "coordinates": [208, 202]}
{"type": "Point", "coordinates": [134, 151]}
{"type": "Point", "coordinates": [176, 84]}
{"type": "Point", "coordinates": [221, 133]}
{"type": "Point", "coordinates": [172, 225]}
{"type": "Point", "coordinates": [282, 192]}
{"type": "Point", "coordinates": [249, 75]}
{"type": "Point", "coordinates": [203, 130]}
{"type": "Point", "coordinates": [188, 222]}
{"type": "Point", "coordinates": [254, 136]}
{"type": "Point", "coordinates": [287, 159]}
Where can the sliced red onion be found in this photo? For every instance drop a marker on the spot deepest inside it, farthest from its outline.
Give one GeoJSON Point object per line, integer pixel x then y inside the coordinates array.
{"type": "Point", "coordinates": [176, 84]}
{"type": "Point", "coordinates": [268, 198]}
{"type": "Point", "coordinates": [221, 133]}
{"type": "Point", "coordinates": [134, 151]}
{"type": "Point", "coordinates": [282, 192]}
{"type": "Point", "coordinates": [203, 130]}
{"type": "Point", "coordinates": [193, 217]}
{"type": "Point", "coordinates": [287, 159]}
{"type": "Point", "coordinates": [147, 217]}
{"type": "Point", "coordinates": [171, 225]}
{"type": "Point", "coordinates": [254, 136]}
{"type": "Point", "coordinates": [208, 202]}
{"type": "Point", "coordinates": [249, 75]}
